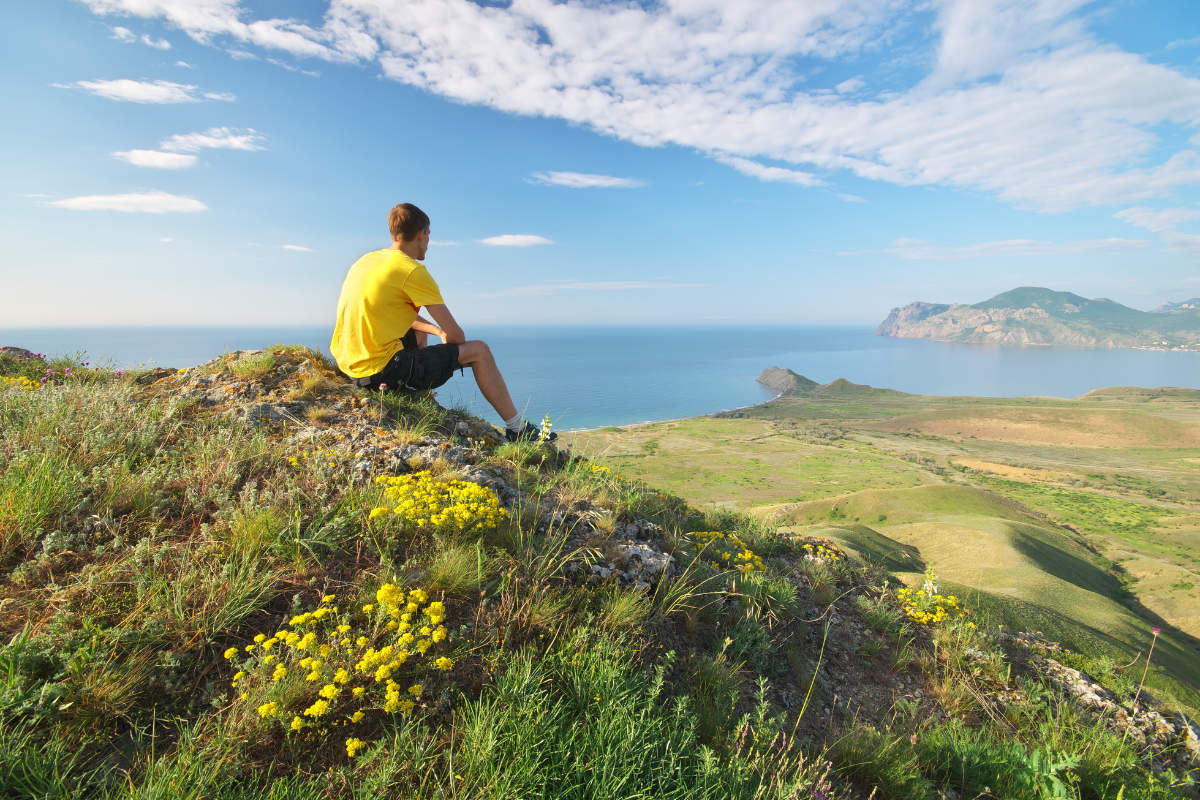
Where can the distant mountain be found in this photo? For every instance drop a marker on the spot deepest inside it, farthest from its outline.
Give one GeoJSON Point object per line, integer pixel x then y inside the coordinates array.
{"type": "Point", "coordinates": [1032, 315]}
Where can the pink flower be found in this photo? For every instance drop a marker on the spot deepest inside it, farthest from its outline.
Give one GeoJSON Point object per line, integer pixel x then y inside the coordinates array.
{"type": "Point", "coordinates": [383, 387]}
{"type": "Point", "coordinates": [1156, 631]}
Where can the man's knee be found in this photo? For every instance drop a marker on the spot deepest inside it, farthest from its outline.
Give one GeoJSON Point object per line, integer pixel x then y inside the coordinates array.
{"type": "Point", "coordinates": [474, 351]}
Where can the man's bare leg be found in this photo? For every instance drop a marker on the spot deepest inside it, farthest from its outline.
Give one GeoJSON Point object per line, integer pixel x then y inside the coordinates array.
{"type": "Point", "coordinates": [478, 356]}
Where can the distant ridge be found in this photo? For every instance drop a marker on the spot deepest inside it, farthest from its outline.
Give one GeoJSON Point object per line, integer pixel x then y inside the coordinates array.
{"type": "Point", "coordinates": [1031, 315]}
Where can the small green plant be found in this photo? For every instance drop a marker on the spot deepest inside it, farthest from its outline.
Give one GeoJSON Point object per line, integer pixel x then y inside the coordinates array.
{"type": "Point", "coordinates": [253, 367]}
{"type": "Point", "coordinates": [751, 643]}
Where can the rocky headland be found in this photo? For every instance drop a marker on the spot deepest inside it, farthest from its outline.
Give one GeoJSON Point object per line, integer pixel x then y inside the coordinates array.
{"type": "Point", "coordinates": [1032, 316]}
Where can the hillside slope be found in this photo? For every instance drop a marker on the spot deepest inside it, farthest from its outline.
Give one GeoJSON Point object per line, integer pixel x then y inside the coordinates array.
{"type": "Point", "coordinates": [248, 579]}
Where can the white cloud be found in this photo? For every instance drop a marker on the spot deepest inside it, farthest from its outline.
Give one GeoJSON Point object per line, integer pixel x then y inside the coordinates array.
{"type": "Point", "coordinates": [215, 139]}
{"type": "Point", "coordinates": [1192, 41]}
{"type": "Point", "coordinates": [515, 240]}
{"type": "Point", "coordinates": [129, 37]}
{"type": "Point", "coordinates": [205, 20]}
{"type": "Point", "coordinates": [852, 198]}
{"type": "Point", "coordinates": [584, 180]}
{"type": "Point", "coordinates": [1164, 222]}
{"type": "Point", "coordinates": [766, 173]}
{"type": "Point", "coordinates": [298, 248]}
{"type": "Point", "coordinates": [1019, 98]}
{"type": "Point", "coordinates": [540, 289]}
{"type": "Point", "coordinates": [153, 202]}
{"type": "Point", "coordinates": [166, 240]}
{"type": "Point", "coordinates": [1158, 220]}
{"type": "Point", "coordinates": [131, 91]}
{"type": "Point", "coordinates": [917, 249]}
{"type": "Point", "coordinates": [155, 158]}
{"type": "Point", "coordinates": [850, 86]}
{"type": "Point", "coordinates": [293, 68]}
{"type": "Point", "coordinates": [183, 64]}
{"type": "Point", "coordinates": [224, 97]}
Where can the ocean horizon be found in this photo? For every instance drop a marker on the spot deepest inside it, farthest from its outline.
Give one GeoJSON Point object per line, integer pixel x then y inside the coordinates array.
{"type": "Point", "coordinates": [592, 376]}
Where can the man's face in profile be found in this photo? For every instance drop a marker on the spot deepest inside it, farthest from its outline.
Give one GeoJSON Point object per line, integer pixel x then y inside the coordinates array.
{"type": "Point", "coordinates": [422, 244]}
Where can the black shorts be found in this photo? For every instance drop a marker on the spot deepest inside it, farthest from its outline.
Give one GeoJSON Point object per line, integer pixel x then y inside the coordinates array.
{"type": "Point", "coordinates": [418, 369]}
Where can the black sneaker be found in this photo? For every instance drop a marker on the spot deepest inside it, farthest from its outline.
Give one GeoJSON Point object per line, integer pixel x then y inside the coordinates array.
{"type": "Point", "coordinates": [529, 433]}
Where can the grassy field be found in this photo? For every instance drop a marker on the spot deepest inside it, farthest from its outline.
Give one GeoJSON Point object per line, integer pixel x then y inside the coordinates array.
{"type": "Point", "coordinates": [248, 579]}
{"type": "Point", "coordinates": [1080, 518]}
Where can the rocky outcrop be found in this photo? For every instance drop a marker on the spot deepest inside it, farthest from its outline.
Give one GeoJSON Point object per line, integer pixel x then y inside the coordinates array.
{"type": "Point", "coordinates": [784, 381]}
{"type": "Point", "coordinates": [1167, 739]}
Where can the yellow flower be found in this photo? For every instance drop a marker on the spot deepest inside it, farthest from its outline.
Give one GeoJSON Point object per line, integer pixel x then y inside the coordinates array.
{"type": "Point", "coordinates": [356, 716]}
{"type": "Point", "coordinates": [444, 664]}
{"type": "Point", "coordinates": [357, 691]}
{"type": "Point", "coordinates": [328, 691]}
{"type": "Point", "coordinates": [317, 709]}
{"type": "Point", "coordinates": [260, 638]}
{"type": "Point", "coordinates": [415, 689]}
{"type": "Point", "coordinates": [297, 723]}
{"type": "Point", "coordinates": [353, 745]}
{"type": "Point", "coordinates": [279, 673]}
{"type": "Point", "coordinates": [268, 709]}
{"type": "Point", "coordinates": [231, 652]}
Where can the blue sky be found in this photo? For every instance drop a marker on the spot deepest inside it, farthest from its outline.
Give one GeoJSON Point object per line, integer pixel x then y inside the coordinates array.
{"type": "Point", "coordinates": [678, 161]}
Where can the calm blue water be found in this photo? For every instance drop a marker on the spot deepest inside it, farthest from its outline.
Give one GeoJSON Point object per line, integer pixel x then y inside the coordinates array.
{"type": "Point", "coordinates": [588, 377]}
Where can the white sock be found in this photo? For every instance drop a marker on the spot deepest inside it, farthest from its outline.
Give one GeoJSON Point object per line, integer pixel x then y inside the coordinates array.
{"type": "Point", "coordinates": [515, 424]}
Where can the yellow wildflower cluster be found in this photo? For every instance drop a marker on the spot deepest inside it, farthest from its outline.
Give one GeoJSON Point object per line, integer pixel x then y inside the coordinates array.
{"type": "Point", "coordinates": [728, 551]}
{"type": "Point", "coordinates": [822, 549]}
{"type": "Point", "coordinates": [330, 667]}
{"type": "Point", "coordinates": [318, 456]}
{"type": "Point", "coordinates": [926, 605]}
{"type": "Point", "coordinates": [19, 382]}
{"type": "Point", "coordinates": [424, 501]}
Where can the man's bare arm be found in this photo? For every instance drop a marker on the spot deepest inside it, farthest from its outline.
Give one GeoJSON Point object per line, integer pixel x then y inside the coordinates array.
{"type": "Point", "coordinates": [422, 325]}
{"type": "Point", "coordinates": [450, 330]}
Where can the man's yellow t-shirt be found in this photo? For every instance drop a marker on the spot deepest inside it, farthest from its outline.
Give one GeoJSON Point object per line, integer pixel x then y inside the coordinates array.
{"type": "Point", "coordinates": [378, 304]}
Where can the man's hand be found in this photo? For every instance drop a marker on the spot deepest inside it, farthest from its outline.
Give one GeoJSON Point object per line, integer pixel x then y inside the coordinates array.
{"type": "Point", "coordinates": [449, 329]}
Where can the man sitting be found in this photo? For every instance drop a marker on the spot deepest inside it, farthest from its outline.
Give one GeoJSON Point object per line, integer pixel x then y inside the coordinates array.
{"type": "Point", "coordinates": [379, 338]}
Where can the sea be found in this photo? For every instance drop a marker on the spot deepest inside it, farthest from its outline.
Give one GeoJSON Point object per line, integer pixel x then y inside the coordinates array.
{"type": "Point", "coordinates": [588, 377]}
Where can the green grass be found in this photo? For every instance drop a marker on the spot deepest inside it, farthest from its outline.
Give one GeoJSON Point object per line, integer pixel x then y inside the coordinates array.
{"type": "Point", "coordinates": [146, 535]}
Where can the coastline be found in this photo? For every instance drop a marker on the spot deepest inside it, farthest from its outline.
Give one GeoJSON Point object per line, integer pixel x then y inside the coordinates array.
{"type": "Point", "coordinates": [674, 419]}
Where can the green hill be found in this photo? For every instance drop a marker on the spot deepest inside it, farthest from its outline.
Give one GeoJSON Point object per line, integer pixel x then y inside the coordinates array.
{"type": "Point", "coordinates": [249, 579]}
